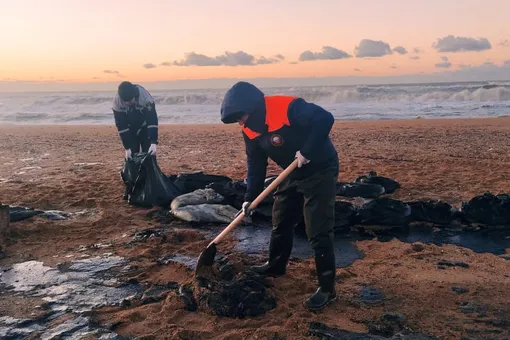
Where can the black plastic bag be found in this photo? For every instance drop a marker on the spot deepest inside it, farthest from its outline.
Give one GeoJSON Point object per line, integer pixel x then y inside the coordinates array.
{"type": "Point", "coordinates": [150, 186]}
{"type": "Point", "coordinates": [364, 190]}
{"type": "Point", "coordinates": [345, 215]}
{"type": "Point", "coordinates": [384, 211]}
{"type": "Point", "coordinates": [390, 185]}
{"type": "Point", "coordinates": [190, 182]}
{"type": "Point", "coordinates": [433, 211]}
{"type": "Point", "coordinates": [487, 209]}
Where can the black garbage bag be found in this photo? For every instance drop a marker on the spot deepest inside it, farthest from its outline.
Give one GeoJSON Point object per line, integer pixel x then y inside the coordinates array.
{"type": "Point", "coordinates": [364, 190]}
{"type": "Point", "coordinates": [234, 192]}
{"type": "Point", "coordinates": [432, 211]}
{"type": "Point", "coordinates": [150, 187]}
{"type": "Point", "coordinates": [189, 182]}
{"type": "Point", "coordinates": [129, 172]}
{"type": "Point", "coordinates": [384, 211]}
{"type": "Point", "coordinates": [390, 185]}
{"type": "Point", "coordinates": [488, 209]}
{"type": "Point", "coordinates": [345, 215]}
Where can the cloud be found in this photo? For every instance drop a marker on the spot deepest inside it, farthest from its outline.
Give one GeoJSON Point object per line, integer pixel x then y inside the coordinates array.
{"type": "Point", "coordinates": [357, 70]}
{"type": "Point", "coordinates": [400, 50]}
{"type": "Point", "coordinates": [445, 63]}
{"type": "Point", "coordinates": [504, 43]}
{"type": "Point", "coordinates": [417, 50]}
{"type": "Point", "coordinates": [372, 48]}
{"type": "Point", "coordinates": [328, 53]}
{"type": "Point", "coordinates": [452, 43]}
{"type": "Point", "coordinates": [113, 72]}
{"type": "Point", "coordinates": [507, 62]}
{"type": "Point", "coordinates": [393, 66]}
{"type": "Point", "coordinates": [239, 58]}
{"type": "Point", "coordinates": [166, 63]}
{"type": "Point", "coordinates": [414, 57]}
{"type": "Point", "coordinates": [149, 65]}
{"type": "Point", "coordinates": [273, 60]}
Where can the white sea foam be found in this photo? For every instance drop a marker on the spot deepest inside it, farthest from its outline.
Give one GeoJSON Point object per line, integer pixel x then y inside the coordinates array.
{"type": "Point", "coordinates": [203, 106]}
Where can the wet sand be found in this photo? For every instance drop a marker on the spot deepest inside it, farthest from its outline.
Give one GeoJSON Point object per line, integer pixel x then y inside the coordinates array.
{"type": "Point", "coordinates": [76, 168]}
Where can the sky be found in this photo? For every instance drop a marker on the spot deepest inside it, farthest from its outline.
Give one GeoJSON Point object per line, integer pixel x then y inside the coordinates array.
{"type": "Point", "coordinates": [98, 42]}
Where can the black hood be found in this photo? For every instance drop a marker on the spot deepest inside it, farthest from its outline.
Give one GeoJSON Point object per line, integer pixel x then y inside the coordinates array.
{"type": "Point", "coordinates": [244, 98]}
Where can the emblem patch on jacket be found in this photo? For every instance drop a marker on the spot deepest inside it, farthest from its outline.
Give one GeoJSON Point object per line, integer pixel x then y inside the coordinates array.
{"type": "Point", "coordinates": [276, 140]}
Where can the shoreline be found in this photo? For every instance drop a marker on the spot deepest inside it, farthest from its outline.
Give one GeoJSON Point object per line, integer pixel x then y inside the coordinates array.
{"type": "Point", "coordinates": [418, 120]}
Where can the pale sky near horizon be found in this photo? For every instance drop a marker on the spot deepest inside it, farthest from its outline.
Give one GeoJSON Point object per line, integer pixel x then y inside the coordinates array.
{"type": "Point", "coordinates": [98, 41]}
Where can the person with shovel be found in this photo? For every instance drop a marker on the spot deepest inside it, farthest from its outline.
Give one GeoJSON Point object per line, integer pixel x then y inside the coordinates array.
{"type": "Point", "coordinates": [284, 128]}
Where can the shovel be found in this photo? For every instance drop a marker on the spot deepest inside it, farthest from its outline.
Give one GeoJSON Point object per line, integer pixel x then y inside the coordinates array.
{"type": "Point", "coordinates": [206, 258]}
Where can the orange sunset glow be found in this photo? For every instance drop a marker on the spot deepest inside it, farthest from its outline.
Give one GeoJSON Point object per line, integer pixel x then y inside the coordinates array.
{"type": "Point", "coordinates": [103, 41]}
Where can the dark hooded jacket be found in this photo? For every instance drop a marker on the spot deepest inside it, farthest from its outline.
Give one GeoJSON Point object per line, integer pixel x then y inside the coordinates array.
{"type": "Point", "coordinates": [308, 132]}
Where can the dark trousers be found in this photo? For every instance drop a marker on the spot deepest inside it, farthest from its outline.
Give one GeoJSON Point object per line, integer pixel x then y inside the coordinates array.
{"type": "Point", "coordinates": [314, 199]}
{"type": "Point", "coordinates": [139, 140]}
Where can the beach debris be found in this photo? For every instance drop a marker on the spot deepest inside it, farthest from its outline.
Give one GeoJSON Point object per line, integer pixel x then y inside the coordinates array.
{"type": "Point", "coordinates": [432, 211]}
{"type": "Point", "coordinates": [487, 209]}
{"type": "Point", "coordinates": [69, 289]}
{"type": "Point", "coordinates": [446, 263]}
{"type": "Point", "coordinates": [460, 290]}
{"type": "Point", "coordinates": [324, 332]}
{"type": "Point", "coordinates": [189, 182]}
{"type": "Point", "coordinates": [156, 293]}
{"type": "Point", "coordinates": [245, 295]}
{"type": "Point", "coordinates": [371, 295]}
{"type": "Point", "coordinates": [388, 324]}
{"type": "Point", "coordinates": [389, 185]}
{"type": "Point", "coordinates": [146, 185]}
{"type": "Point", "coordinates": [384, 211]}
{"type": "Point", "coordinates": [364, 190]}
{"type": "Point", "coordinates": [187, 297]}
{"type": "Point", "coordinates": [17, 214]}
{"type": "Point", "coordinates": [199, 196]}
{"type": "Point", "coordinates": [206, 213]}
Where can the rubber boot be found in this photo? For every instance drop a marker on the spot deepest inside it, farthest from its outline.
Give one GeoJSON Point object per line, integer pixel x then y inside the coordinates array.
{"type": "Point", "coordinates": [280, 247]}
{"type": "Point", "coordinates": [326, 272]}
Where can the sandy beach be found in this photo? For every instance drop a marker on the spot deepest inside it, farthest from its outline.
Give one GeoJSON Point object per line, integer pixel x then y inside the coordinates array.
{"type": "Point", "coordinates": [72, 168]}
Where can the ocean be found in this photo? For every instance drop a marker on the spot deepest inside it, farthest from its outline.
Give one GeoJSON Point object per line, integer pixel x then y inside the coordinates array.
{"type": "Point", "coordinates": [371, 102]}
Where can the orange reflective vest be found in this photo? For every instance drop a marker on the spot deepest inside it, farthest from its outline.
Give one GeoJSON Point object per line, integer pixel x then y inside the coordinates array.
{"type": "Point", "coordinates": [276, 114]}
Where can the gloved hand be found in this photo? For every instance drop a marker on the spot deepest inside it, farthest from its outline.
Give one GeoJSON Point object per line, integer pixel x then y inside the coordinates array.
{"type": "Point", "coordinates": [152, 149]}
{"type": "Point", "coordinates": [301, 159]}
{"type": "Point", "coordinates": [128, 154]}
{"type": "Point", "coordinates": [246, 209]}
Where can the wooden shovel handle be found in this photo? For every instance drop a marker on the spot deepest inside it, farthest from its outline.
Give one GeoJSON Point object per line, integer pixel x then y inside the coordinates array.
{"type": "Point", "coordinates": [257, 200]}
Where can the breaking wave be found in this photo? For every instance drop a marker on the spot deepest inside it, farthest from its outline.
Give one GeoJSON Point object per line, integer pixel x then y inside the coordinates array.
{"type": "Point", "coordinates": [346, 102]}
